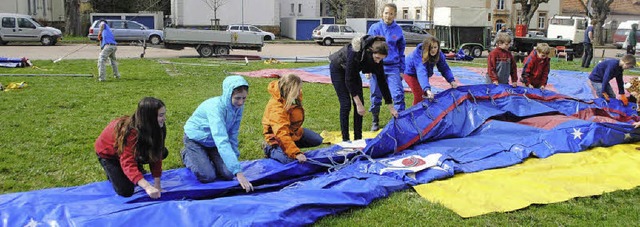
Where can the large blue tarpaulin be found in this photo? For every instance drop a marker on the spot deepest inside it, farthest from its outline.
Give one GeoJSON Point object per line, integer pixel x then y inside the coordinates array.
{"type": "Point", "coordinates": [468, 129]}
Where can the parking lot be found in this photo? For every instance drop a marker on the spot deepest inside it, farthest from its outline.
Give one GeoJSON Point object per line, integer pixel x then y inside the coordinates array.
{"type": "Point", "coordinates": [125, 50]}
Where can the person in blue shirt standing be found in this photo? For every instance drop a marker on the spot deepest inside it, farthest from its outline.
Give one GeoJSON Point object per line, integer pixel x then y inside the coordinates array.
{"type": "Point", "coordinates": [588, 47]}
{"type": "Point", "coordinates": [608, 69]}
{"type": "Point", "coordinates": [211, 135]}
{"type": "Point", "coordinates": [109, 47]}
{"type": "Point", "coordinates": [393, 63]}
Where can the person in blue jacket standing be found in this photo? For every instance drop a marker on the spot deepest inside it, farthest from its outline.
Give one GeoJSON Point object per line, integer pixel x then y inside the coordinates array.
{"type": "Point", "coordinates": [393, 63]}
{"type": "Point", "coordinates": [420, 64]}
{"type": "Point", "coordinates": [108, 46]}
{"type": "Point", "coordinates": [211, 135]}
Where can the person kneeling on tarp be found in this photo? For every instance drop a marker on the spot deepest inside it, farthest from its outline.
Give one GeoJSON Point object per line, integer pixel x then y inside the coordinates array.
{"type": "Point", "coordinates": [282, 122]}
{"type": "Point", "coordinates": [130, 141]}
{"type": "Point", "coordinates": [211, 135]}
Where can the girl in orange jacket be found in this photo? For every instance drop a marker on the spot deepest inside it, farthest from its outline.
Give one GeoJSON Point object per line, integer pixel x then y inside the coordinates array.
{"type": "Point", "coordinates": [282, 122]}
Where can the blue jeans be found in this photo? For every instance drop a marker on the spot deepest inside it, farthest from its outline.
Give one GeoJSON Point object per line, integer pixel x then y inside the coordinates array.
{"type": "Point", "coordinates": [309, 139]}
{"type": "Point", "coordinates": [598, 87]}
{"type": "Point", "coordinates": [204, 162]}
{"type": "Point", "coordinates": [395, 87]}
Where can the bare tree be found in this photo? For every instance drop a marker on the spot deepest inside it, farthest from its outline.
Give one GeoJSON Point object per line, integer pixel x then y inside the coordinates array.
{"type": "Point", "coordinates": [597, 11]}
{"type": "Point", "coordinates": [214, 5]}
{"type": "Point", "coordinates": [72, 17]}
{"type": "Point", "coordinates": [339, 9]}
{"type": "Point", "coordinates": [527, 9]}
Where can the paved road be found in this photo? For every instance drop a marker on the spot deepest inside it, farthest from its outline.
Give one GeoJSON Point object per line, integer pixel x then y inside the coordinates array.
{"type": "Point", "coordinates": [276, 50]}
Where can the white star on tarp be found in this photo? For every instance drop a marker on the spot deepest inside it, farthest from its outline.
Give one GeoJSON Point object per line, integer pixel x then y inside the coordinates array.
{"type": "Point", "coordinates": [576, 133]}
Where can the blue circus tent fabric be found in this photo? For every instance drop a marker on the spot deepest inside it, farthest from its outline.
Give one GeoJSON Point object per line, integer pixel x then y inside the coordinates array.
{"type": "Point", "coordinates": [468, 129]}
{"type": "Point", "coordinates": [14, 62]}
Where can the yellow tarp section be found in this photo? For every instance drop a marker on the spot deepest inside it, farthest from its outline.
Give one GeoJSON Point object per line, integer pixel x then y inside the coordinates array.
{"type": "Point", "coordinates": [335, 137]}
{"type": "Point", "coordinates": [554, 179]}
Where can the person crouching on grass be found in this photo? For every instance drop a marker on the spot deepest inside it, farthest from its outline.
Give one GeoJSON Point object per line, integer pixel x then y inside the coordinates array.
{"type": "Point", "coordinates": [536, 67]}
{"type": "Point", "coordinates": [282, 122]}
{"type": "Point", "coordinates": [130, 141]}
{"type": "Point", "coordinates": [608, 69]}
{"type": "Point", "coordinates": [211, 135]}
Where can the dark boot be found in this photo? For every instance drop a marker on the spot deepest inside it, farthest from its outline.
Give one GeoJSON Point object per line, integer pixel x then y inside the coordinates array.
{"type": "Point", "coordinates": [374, 124]}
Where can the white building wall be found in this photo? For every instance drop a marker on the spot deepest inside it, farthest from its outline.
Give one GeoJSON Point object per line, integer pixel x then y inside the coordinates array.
{"type": "Point", "coordinates": [198, 13]}
{"type": "Point", "coordinates": [461, 3]}
{"type": "Point", "coordinates": [299, 8]}
{"type": "Point", "coordinates": [47, 10]}
{"type": "Point", "coordinates": [412, 7]}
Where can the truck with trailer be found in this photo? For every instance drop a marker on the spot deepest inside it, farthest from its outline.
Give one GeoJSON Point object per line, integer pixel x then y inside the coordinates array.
{"type": "Point", "coordinates": [211, 42]}
{"type": "Point", "coordinates": [463, 28]}
{"type": "Point", "coordinates": [563, 32]}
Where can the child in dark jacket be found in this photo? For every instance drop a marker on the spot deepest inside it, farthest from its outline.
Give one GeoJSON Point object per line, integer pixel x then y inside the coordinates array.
{"type": "Point", "coordinates": [608, 69]}
{"type": "Point", "coordinates": [500, 65]}
{"type": "Point", "coordinates": [536, 67]}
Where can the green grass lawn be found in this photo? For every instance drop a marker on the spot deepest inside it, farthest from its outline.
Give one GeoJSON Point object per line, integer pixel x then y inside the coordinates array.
{"type": "Point", "coordinates": [47, 133]}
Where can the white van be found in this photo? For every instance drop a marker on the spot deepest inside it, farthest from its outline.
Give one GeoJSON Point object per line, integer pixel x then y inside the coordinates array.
{"type": "Point", "coordinates": [23, 28]}
{"type": "Point", "coordinates": [623, 31]}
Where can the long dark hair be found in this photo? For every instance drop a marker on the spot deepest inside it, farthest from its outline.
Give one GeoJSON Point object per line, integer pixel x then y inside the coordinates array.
{"type": "Point", "coordinates": [150, 138]}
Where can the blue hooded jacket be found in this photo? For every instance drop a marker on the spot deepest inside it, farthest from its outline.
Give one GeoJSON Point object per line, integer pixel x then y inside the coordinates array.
{"type": "Point", "coordinates": [215, 123]}
{"type": "Point", "coordinates": [394, 62]}
{"type": "Point", "coordinates": [424, 71]}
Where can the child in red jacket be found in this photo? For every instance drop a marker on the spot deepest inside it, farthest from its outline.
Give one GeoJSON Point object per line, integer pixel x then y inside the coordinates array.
{"type": "Point", "coordinates": [500, 64]}
{"type": "Point", "coordinates": [536, 67]}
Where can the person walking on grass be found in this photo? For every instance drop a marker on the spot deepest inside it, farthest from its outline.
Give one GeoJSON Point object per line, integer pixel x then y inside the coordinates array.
{"type": "Point", "coordinates": [130, 141]}
{"type": "Point", "coordinates": [631, 40]}
{"type": "Point", "coordinates": [362, 54]}
{"type": "Point", "coordinates": [500, 64]}
{"type": "Point", "coordinates": [108, 47]}
{"type": "Point", "coordinates": [393, 64]}
{"type": "Point", "coordinates": [608, 69]}
{"type": "Point", "coordinates": [211, 135]}
{"type": "Point", "coordinates": [536, 67]}
{"type": "Point", "coordinates": [419, 69]}
{"type": "Point", "coordinates": [282, 122]}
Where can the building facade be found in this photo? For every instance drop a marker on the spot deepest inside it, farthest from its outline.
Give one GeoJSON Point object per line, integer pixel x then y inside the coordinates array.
{"type": "Point", "coordinates": [42, 10]}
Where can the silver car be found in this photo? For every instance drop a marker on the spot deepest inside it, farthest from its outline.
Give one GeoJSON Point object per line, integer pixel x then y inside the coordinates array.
{"type": "Point", "coordinates": [126, 30]}
{"type": "Point", "coordinates": [413, 34]}
{"type": "Point", "coordinates": [253, 29]}
{"type": "Point", "coordinates": [327, 34]}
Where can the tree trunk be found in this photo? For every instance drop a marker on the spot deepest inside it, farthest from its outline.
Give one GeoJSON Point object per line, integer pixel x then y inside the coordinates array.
{"type": "Point", "coordinates": [72, 18]}
{"type": "Point", "coordinates": [598, 14]}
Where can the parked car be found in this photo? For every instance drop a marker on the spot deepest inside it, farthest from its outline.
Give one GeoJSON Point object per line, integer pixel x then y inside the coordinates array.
{"type": "Point", "coordinates": [252, 29]}
{"type": "Point", "coordinates": [126, 30]}
{"type": "Point", "coordinates": [622, 32]}
{"type": "Point", "coordinates": [413, 34]}
{"type": "Point", "coordinates": [327, 34]}
{"type": "Point", "coordinates": [535, 34]}
{"type": "Point", "coordinates": [23, 28]}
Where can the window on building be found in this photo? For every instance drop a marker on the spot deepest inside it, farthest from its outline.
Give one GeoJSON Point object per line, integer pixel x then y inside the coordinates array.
{"type": "Point", "coordinates": [542, 20]}
{"type": "Point", "coordinates": [293, 8]}
{"type": "Point", "coordinates": [418, 13]}
{"type": "Point", "coordinates": [299, 8]}
{"type": "Point", "coordinates": [405, 13]}
{"type": "Point", "coordinates": [500, 5]}
{"type": "Point", "coordinates": [519, 17]}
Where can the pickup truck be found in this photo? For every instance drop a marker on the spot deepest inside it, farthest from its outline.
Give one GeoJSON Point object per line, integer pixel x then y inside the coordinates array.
{"type": "Point", "coordinates": [211, 42]}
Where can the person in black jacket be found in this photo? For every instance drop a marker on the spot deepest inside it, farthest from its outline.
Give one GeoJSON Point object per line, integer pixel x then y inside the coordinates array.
{"type": "Point", "coordinates": [362, 54]}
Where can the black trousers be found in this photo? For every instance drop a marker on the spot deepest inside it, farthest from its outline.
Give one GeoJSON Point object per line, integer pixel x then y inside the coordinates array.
{"type": "Point", "coordinates": [344, 97]}
{"type": "Point", "coordinates": [588, 55]}
{"type": "Point", "coordinates": [120, 182]}
{"type": "Point", "coordinates": [631, 50]}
